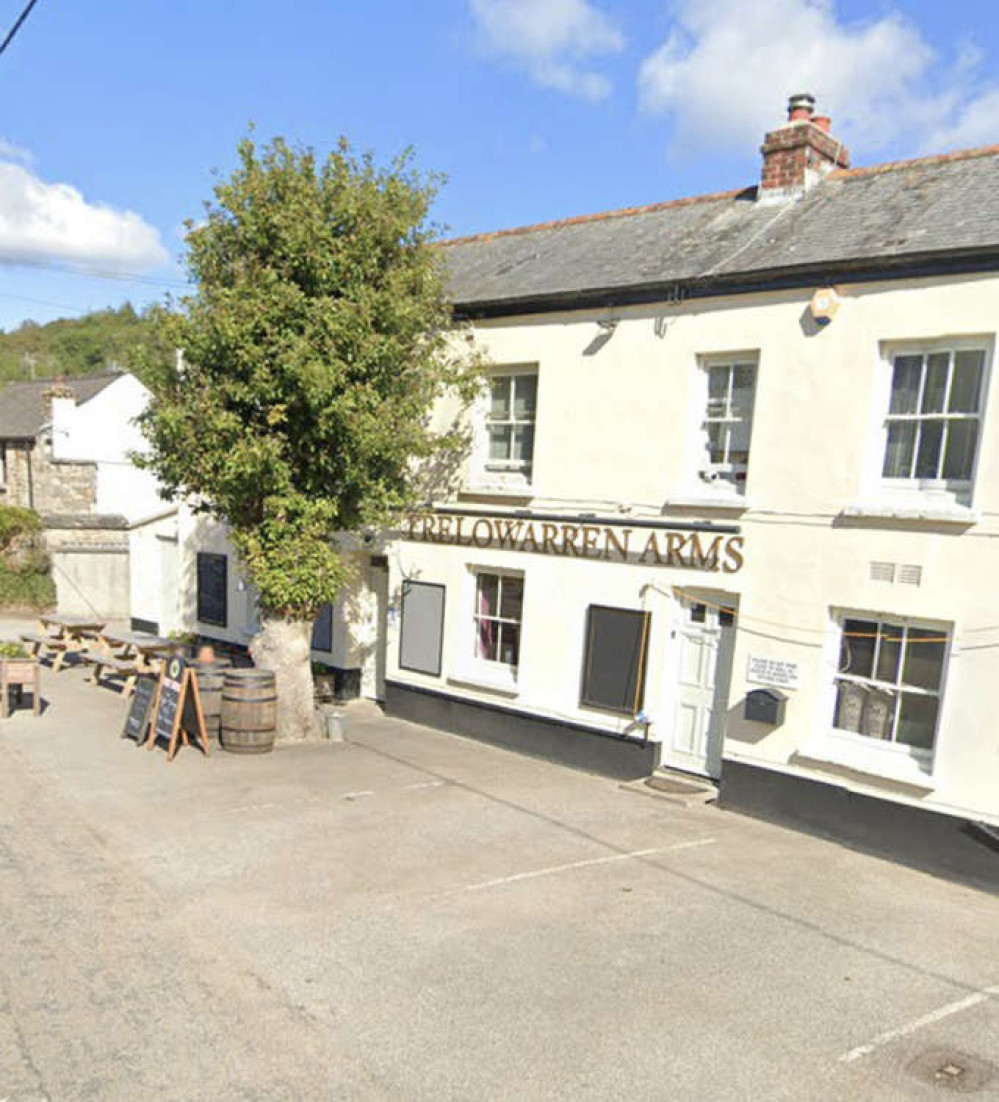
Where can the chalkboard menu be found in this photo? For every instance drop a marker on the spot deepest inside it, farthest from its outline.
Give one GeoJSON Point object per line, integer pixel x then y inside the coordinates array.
{"type": "Point", "coordinates": [139, 710]}
{"type": "Point", "coordinates": [213, 588]}
{"type": "Point", "coordinates": [179, 713]}
{"type": "Point", "coordinates": [171, 684]}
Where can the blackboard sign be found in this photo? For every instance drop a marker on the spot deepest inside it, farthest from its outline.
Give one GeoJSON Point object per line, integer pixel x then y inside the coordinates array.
{"type": "Point", "coordinates": [139, 710]}
{"type": "Point", "coordinates": [179, 710]}
{"type": "Point", "coordinates": [213, 588]}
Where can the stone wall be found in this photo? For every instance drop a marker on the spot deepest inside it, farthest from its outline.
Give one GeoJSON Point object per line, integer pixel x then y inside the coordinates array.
{"type": "Point", "coordinates": [59, 486]}
{"type": "Point", "coordinates": [17, 479]}
{"type": "Point", "coordinates": [35, 480]}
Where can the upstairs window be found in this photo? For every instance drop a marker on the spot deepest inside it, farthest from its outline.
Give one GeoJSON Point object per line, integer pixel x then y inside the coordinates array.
{"type": "Point", "coordinates": [510, 417]}
{"type": "Point", "coordinates": [727, 423]}
{"type": "Point", "coordinates": [934, 417]}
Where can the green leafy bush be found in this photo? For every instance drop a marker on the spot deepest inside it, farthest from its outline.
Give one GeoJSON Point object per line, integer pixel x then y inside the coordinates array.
{"type": "Point", "coordinates": [17, 525]}
{"type": "Point", "coordinates": [25, 581]}
{"type": "Point", "coordinates": [13, 650]}
{"type": "Point", "coordinates": [27, 589]}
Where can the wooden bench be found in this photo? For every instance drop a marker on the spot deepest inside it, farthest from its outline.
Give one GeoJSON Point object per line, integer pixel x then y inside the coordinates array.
{"type": "Point", "coordinates": [108, 665]}
{"type": "Point", "coordinates": [42, 644]}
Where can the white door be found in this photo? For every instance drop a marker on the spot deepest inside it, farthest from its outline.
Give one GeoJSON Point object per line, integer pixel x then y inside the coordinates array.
{"type": "Point", "coordinates": [703, 644]}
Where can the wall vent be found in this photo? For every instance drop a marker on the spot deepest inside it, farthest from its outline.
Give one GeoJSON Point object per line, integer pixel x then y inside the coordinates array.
{"type": "Point", "coordinates": [883, 572]}
{"type": "Point", "coordinates": [910, 575]}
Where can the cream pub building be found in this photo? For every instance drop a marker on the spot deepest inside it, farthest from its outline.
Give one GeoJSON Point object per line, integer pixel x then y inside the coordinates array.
{"type": "Point", "coordinates": [732, 503]}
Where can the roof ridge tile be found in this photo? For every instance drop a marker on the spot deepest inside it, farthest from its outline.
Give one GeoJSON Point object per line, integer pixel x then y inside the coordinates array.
{"type": "Point", "coordinates": [599, 216]}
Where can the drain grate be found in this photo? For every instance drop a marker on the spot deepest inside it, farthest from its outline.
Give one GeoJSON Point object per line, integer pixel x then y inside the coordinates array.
{"type": "Point", "coordinates": [949, 1070]}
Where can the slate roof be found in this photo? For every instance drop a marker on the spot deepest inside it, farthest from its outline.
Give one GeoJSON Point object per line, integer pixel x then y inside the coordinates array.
{"type": "Point", "coordinates": [24, 408]}
{"type": "Point", "coordinates": [891, 213]}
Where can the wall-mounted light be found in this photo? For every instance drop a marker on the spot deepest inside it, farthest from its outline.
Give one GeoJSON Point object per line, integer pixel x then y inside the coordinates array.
{"type": "Point", "coordinates": [825, 303]}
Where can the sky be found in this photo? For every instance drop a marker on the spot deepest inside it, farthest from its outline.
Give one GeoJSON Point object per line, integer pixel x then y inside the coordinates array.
{"type": "Point", "coordinates": [118, 116]}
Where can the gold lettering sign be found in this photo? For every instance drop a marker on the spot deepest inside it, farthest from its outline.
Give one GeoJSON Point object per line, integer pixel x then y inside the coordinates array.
{"type": "Point", "coordinates": [690, 550]}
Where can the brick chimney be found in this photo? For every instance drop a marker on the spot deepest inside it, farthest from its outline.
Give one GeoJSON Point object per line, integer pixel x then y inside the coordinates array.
{"type": "Point", "coordinates": [801, 152]}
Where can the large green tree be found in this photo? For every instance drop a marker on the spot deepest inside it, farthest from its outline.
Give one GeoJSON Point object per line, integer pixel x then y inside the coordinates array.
{"type": "Point", "coordinates": [313, 349]}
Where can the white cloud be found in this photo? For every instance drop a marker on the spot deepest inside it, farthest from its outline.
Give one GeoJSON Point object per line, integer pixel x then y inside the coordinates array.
{"type": "Point", "coordinates": [552, 39]}
{"type": "Point", "coordinates": [42, 222]}
{"type": "Point", "coordinates": [725, 70]}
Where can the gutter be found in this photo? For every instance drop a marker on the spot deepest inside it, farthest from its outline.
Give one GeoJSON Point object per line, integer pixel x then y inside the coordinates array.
{"type": "Point", "coordinates": [856, 270]}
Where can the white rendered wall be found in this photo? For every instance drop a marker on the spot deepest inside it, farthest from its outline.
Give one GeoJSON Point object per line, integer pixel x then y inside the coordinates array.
{"type": "Point", "coordinates": [614, 431]}
{"type": "Point", "coordinates": [103, 431]}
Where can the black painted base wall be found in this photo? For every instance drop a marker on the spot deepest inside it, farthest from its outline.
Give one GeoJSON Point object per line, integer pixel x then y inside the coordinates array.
{"type": "Point", "coordinates": [566, 743]}
{"type": "Point", "coordinates": [945, 845]}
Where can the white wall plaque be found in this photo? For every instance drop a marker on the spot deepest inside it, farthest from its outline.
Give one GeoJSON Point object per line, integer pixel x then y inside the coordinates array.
{"type": "Point", "coordinates": [772, 671]}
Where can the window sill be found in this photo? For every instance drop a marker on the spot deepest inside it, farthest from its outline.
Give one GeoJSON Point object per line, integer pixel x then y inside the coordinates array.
{"type": "Point", "coordinates": [915, 511]}
{"type": "Point", "coordinates": [502, 681]}
{"type": "Point", "coordinates": [499, 487]}
{"type": "Point", "coordinates": [728, 502]}
{"type": "Point", "coordinates": [871, 759]}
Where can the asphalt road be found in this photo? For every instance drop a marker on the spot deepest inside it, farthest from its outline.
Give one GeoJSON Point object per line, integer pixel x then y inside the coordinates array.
{"type": "Point", "coordinates": [410, 915]}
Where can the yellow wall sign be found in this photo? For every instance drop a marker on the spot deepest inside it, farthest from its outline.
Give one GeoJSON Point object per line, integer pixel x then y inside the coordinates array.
{"type": "Point", "coordinates": [703, 550]}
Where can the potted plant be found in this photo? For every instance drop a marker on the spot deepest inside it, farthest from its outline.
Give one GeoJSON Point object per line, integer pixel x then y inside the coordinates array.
{"type": "Point", "coordinates": [17, 669]}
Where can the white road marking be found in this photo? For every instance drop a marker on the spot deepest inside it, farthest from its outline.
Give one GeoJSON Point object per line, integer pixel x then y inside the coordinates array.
{"type": "Point", "coordinates": [916, 1024]}
{"type": "Point", "coordinates": [424, 784]}
{"type": "Point", "coordinates": [354, 795]}
{"type": "Point", "coordinates": [583, 864]}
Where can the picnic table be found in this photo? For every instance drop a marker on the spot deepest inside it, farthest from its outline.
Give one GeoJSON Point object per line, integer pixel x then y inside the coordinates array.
{"type": "Point", "coordinates": [60, 635]}
{"type": "Point", "coordinates": [138, 654]}
{"type": "Point", "coordinates": [141, 646]}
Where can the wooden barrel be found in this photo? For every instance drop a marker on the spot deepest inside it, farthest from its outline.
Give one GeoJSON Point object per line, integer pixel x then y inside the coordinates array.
{"type": "Point", "coordinates": [249, 711]}
{"type": "Point", "coordinates": [209, 677]}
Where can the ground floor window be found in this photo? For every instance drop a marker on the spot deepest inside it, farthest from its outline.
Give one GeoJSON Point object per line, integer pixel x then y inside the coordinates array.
{"type": "Point", "coordinates": [888, 680]}
{"type": "Point", "coordinates": [499, 607]}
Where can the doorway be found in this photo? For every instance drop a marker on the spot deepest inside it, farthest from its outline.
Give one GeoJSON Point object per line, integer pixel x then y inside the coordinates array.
{"type": "Point", "coordinates": [704, 643]}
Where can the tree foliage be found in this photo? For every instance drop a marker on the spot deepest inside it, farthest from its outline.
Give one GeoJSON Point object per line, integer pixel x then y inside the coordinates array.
{"type": "Point", "coordinates": [25, 579]}
{"type": "Point", "coordinates": [81, 346]}
{"type": "Point", "coordinates": [313, 350]}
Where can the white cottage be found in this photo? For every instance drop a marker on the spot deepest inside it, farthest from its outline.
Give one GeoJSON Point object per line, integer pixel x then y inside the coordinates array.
{"type": "Point", "coordinates": [733, 502]}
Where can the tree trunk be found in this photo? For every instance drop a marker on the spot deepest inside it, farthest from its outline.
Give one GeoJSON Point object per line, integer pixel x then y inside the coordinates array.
{"type": "Point", "coordinates": [284, 647]}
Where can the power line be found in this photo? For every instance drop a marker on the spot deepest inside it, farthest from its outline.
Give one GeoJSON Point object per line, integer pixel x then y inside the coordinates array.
{"type": "Point", "coordinates": [17, 26]}
{"type": "Point", "coordinates": [95, 273]}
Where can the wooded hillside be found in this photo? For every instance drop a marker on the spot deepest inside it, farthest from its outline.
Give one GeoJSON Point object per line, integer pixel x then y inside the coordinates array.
{"type": "Point", "coordinates": [79, 346]}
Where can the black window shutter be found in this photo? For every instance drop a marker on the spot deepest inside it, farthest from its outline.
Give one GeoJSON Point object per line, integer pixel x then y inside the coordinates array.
{"type": "Point", "coordinates": [322, 630]}
{"type": "Point", "coordinates": [614, 659]}
{"type": "Point", "coordinates": [421, 633]}
{"type": "Point", "coordinates": [213, 589]}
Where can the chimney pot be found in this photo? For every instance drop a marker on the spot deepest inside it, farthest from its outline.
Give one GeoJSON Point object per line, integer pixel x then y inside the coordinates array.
{"type": "Point", "coordinates": [797, 155]}
{"type": "Point", "coordinates": [800, 107]}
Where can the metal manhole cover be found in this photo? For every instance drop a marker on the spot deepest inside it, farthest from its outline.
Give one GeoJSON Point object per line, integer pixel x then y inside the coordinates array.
{"type": "Point", "coordinates": [950, 1070]}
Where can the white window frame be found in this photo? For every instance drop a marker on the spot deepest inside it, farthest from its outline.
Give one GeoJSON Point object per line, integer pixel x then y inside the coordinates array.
{"type": "Point", "coordinates": [706, 478]}
{"type": "Point", "coordinates": [502, 475]}
{"type": "Point", "coordinates": [468, 668]}
{"type": "Point", "coordinates": [946, 492]}
{"type": "Point", "coordinates": [864, 753]}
